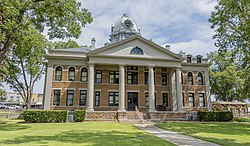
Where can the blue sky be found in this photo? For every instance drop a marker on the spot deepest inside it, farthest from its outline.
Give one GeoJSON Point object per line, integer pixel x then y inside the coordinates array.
{"type": "Point", "coordinates": [183, 24]}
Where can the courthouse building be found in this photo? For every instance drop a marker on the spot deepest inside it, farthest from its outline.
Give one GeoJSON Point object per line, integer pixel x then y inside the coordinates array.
{"type": "Point", "coordinates": [129, 73]}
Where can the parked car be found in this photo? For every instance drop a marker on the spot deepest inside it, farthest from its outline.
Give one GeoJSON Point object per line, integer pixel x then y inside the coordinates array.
{"type": "Point", "coordinates": [2, 106]}
{"type": "Point", "coordinates": [14, 107]}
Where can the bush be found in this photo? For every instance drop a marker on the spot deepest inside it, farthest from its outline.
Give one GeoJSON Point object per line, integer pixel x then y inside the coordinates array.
{"type": "Point", "coordinates": [215, 116]}
{"type": "Point", "coordinates": [79, 115]}
{"type": "Point", "coordinates": [45, 116]}
{"type": "Point", "coordinates": [241, 119]}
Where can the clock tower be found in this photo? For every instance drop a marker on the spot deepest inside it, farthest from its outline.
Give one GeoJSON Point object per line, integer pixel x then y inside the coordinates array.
{"type": "Point", "coordinates": [124, 28]}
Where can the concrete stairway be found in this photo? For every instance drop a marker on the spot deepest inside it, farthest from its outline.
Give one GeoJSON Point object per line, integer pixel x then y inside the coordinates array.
{"type": "Point", "coordinates": [133, 117]}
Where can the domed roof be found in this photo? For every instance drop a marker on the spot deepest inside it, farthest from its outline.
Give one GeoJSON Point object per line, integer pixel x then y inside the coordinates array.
{"type": "Point", "coordinates": [125, 24]}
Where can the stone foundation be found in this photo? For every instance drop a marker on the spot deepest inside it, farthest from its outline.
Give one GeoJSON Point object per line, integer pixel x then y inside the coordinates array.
{"type": "Point", "coordinates": [101, 116]}
{"type": "Point", "coordinates": [166, 116]}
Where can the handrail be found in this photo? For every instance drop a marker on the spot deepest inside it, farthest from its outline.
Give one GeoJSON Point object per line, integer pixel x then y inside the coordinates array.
{"type": "Point", "coordinates": [139, 115]}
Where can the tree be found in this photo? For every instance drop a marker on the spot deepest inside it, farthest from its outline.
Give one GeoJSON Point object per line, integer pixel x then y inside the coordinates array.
{"type": "Point", "coordinates": [24, 62]}
{"type": "Point", "coordinates": [231, 23]}
{"type": "Point", "coordinates": [3, 93]}
{"type": "Point", "coordinates": [225, 78]}
{"type": "Point", "coordinates": [64, 45]}
{"type": "Point", "coordinates": [63, 18]}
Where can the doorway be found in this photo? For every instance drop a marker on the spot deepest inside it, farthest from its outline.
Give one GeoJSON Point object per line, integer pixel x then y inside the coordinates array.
{"type": "Point", "coordinates": [132, 100]}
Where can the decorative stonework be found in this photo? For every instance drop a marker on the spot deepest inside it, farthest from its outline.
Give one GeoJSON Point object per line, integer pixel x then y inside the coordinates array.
{"type": "Point", "coordinates": [122, 116]}
{"type": "Point", "coordinates": [101, 116]}
{"type": "Point", "coordinates": [165, 116]}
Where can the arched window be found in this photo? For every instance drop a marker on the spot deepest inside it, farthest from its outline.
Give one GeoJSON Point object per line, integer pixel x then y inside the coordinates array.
{"type": "Point", "coordinates": [71, 76]}
{"type": "Point", "coordinates": [136, 50]}
{"type": "Point", "coordinates": [190, 78]}
{"type": "Point", "coordinates": [58, 74]}
{"type": "Point", "coordinates": [84, 74]}
{"type": "Point", "coordinates": [200, 78]}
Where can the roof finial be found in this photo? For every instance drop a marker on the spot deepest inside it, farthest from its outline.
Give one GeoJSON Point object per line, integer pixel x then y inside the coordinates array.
{"type": "Point", "coordinates": [124, 15]}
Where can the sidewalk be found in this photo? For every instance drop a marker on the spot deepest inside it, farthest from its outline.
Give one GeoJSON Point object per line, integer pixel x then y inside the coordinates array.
{"type": "Point", "coordinates": [173, 137]}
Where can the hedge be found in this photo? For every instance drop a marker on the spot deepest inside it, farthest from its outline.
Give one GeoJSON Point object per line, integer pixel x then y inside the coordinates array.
{"type": "Point", "coordinates": [45, 116]}
{"type": "Point", "coordinates": [79, 115]}
{"type": "Point", "coordinates": [215, 115]}
{"type": "Point", "coordinates": [241, 119]}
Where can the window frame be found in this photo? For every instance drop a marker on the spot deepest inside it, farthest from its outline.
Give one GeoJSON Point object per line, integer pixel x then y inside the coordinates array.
{"type": "Point", "coordinates": [190, 78]}
{"type": "Point", "coordinates": [84, 70]}
{"type": "Point", "coordinates": [97, 79]}
{"type": "Point", "coordinates": [113, 99]}
{"type": "Point", "coordinates": [97, 98]}
{"type": "Point", "coordinates": [67, 98]}
{"type": "Point", "coordinates": [191, 103]}
{"type": "Point", "coordinates": [203, 99]}
{"type": "Point", "coordinates": [165, 99]}
{"type": "Point", "coordinates": [132, 77]}
{"type": "Point", "coordinates": [113, 79]}
{"type": "Point", "coordinates": [71, 77]}
{"type": "Point", "coordinates": [136, 51]}
{"type": "Point", "coordinates": [200, 78]}
{"type": "Point", "coordinates": [164, 78]}
{"type": "Point", "coordinates": [56, 99]}
{"type": "Point", "coordinates": [83, 98]}
{"type": "Point", "coordinates": [58, 77]}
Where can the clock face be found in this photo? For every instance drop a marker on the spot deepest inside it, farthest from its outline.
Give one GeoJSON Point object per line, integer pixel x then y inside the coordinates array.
{"type": "Point", "coordinates": [127, 24]}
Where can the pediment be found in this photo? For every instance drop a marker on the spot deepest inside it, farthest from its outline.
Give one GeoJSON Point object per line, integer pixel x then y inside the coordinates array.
{"type": "Point", "coordinates": [130, 48]}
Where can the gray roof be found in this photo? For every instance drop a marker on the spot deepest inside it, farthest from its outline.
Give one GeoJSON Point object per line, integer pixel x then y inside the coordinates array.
{"type": "Point", "coordinates": [84, 49]}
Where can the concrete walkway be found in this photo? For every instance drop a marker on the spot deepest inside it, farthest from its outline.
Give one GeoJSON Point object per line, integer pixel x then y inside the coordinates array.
{"type": "Point", "coordinates": [173, 137]}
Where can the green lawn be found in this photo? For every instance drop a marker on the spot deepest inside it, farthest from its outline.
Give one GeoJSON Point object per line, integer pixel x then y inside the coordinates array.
{"type": "Point", "coordinates": [12, 132]}
{"type": "Point", "coordinates": [224, 133]}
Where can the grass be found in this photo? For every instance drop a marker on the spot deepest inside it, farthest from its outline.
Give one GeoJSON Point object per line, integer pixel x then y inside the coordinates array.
{"type": "Point", "coordinates": [15, 132]}
{"type": "Point", "coordinates": [241, 119]}
{"type": "Point", "coordinates": [223, 133]}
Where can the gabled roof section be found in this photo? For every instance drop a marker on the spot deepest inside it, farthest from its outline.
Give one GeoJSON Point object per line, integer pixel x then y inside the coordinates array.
{"type": "Point", "coordinates": [140, 39]}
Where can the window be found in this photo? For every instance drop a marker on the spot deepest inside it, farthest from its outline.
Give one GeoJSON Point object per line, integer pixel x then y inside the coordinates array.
{"type": "Point", "coordinates": [201, 97]}
{"type": "Point", "coordinates": [189, 59]}
{"type": "Point", "coordinates": [56, 99]}
{"type": "Point", "coordinates": [113, 98]}
{"type": "Point", "coordinates": [132, 68]}
{"type": "Point", "coordinates": [163, 69]}
{"type": "Point", "coordinates": [183, 100]}
{"type": "Point", "coordinates": [83, 97]}
{"type": "Point", "coordinates": [136, 50]}
{"type": "Point", "coordinates": [164, 78]}
{"type": "Point", "coordinates": [17, 97]}
{"type": "Point", "coordinates": [200, 78]}
{"type": "Point", "coordinates": [70, 96]}
{"type": "Point", "coordinates": [84, 74]}
{"type": "Point", "coordinates": [98, 78]}
{"type": "Point", "coordinates": [12, 97]}
{"type": "Point", "coordinates": [58, 74]}
{"type": "Point", "coordinates": [114, 77]}
{"type": "Point", "coordinates": [165, 99]}
{"type": "Point", "coordinates": [198, 59]}
{"type": "Point", "coordinates": [71, 76]}
{"type": "Point", "coordinates": [146, 78]}
{"type": "Point", "coordinates": [190, 78]}
{"type": "Point", "coordinates": [132, 77]}
{"type": "Point", "coordinates": [191, 99]}
{"type": "Point", "coordinates": [97, 98]}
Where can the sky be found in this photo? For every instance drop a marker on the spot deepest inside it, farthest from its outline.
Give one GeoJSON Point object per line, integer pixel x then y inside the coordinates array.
{"type": "Point", "coordinates": [182, 24]}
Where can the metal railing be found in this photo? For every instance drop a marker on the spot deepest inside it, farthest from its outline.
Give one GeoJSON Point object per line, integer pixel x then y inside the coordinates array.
{"type": "Point", "coordinates": [139, 115]}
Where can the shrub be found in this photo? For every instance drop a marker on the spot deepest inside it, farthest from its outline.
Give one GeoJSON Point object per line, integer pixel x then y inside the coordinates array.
{"type": "Point", "coordinates": [241, 119]}
{"type": "Point", "coordinates": [215, 115]}
{"type": "Point", "coordinates": [79, 115]}
{"type": "Point", "coordinates": [45, 116]}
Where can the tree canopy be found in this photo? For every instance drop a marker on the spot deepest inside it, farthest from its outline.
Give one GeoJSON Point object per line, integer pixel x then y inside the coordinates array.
{"type": "Point", "coordinates": [61, 18]}
{"type": "Point", "coordinates": [230, 65]}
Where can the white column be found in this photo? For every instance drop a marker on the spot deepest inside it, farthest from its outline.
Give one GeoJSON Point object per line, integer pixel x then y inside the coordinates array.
{"type": "Point", "coordinates": [47, 91]}
{"type": "Point", "coordinates": [151, 93]}
{"type": "Point", "coordinates": [90, 97]}
{"type": "Point", "coordinates": [121, 89]}
{"type": "Point", "coordinates": [208, 96]}
{"type": "Point", "coordinates": [173, 89]}
{"type": "Point", "coordinates": [179, 90]}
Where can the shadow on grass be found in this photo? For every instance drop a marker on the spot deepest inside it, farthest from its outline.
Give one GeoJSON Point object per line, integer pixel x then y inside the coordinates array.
{"type": "Point", "coordinates": [85, 137]}
{"type": "Point", "coordinates": [225, 128]}
{"type": "Point", "coordinates": [4, 126]}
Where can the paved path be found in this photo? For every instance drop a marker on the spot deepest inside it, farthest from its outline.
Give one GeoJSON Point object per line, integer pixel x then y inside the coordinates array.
{"type": "Point", "coordinates": [173, 137]}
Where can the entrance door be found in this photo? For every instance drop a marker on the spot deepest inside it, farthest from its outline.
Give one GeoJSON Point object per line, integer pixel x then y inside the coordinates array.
{"type": "Point", "coordinates": [132, 100]}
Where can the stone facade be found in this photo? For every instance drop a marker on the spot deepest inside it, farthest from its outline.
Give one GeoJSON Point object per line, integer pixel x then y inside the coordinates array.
{"type": "Point", "coordinates": [141, 68]}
